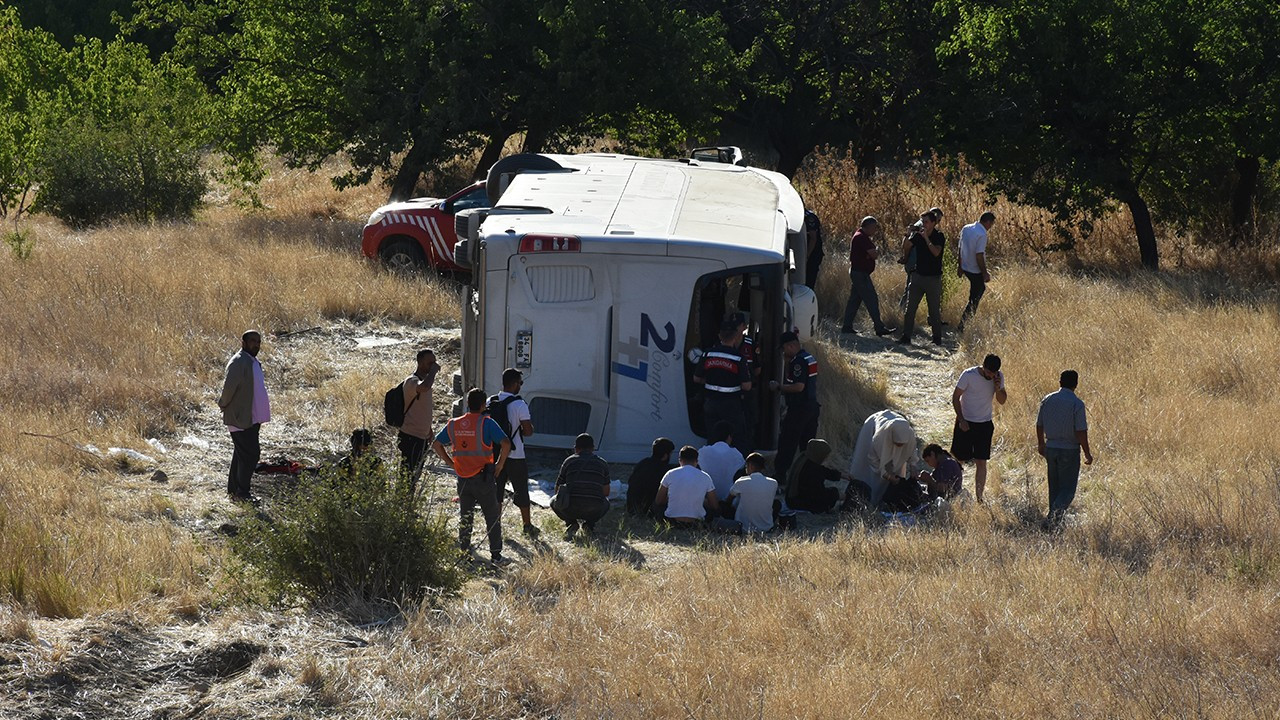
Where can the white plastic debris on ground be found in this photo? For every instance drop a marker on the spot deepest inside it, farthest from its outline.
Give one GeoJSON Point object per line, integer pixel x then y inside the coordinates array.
{"type": "Point", "coordinates": [543, 487]}
{"type": "Point", "coordinates": [195, 442]}
{"type": "Point", "coordinates": [118, 452]}
{"type": "Point", "coordinates": [372, 341]}
{"type": "Point", "coordinates": [157, 446]}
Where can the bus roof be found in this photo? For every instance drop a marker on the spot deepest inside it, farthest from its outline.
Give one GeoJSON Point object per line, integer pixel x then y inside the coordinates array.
{"type": "Point", "coordinates": [710, 208]}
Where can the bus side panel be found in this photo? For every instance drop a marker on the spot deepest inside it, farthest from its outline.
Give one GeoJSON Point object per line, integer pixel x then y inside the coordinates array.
{"type": "Point", "coordinates": [650, 320]}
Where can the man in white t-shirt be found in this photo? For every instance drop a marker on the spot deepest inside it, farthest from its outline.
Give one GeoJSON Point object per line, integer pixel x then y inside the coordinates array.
{"type": "Point", "coordinates": [973, 399]}
{"type": "Point", "coordinates": [754, 496]}
{"type": "Point", "coordinates": [520, 421]}
{"type": "Point", "coordinates": [687, 491]}
{"type": "Point", "coordinates": [973, 262]}
{"type": "Point", "coordinates": [719, 459]}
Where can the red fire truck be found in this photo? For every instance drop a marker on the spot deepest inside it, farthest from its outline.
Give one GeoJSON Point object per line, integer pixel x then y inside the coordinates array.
{"type": "Point", "coordinates": [419, 232]}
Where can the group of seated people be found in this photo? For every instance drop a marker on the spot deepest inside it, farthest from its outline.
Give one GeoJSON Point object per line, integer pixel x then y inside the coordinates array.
{"type": "Point", "coordinates": [717, 485]}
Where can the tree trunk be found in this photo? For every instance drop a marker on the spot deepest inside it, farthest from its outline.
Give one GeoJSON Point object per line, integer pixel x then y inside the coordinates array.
{"type": "Point", "coordinates": [534, 139]}
{"type": "Point", "coordinates": [867, 156]}
{"type": "Point", "coordinates": [406, 180]}
{"type": "Point", "coordinates": [1142, 225]}
{"type": "Point", "coordinates": [1247, 171]}
{"type": "Point", "coordinates": [492, 153]}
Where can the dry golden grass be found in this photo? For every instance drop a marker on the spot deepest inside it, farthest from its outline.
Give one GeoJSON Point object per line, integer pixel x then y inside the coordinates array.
{"type": "Point", "coordinates": [114, 335]}
{"type": "Point", "coordinates": [1158, 600]}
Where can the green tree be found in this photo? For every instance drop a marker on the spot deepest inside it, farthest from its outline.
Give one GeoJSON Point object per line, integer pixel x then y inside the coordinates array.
{"type": "Point", "coordinates": [1075, 105]}
{"type": "Point", "coordinates": [401, 86]}
{"type": "Point", "coordinates": [32, 72]}
{"type": "Point", "coordinates": [831, 72]}
{"type": "Point", "coordinates": [129, 144]}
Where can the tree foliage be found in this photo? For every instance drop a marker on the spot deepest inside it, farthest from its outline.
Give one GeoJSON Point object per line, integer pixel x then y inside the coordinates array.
{"type": "Point", "coordinates": [401, 86]}
{"type": "Point", "coordinates": [32, 69]}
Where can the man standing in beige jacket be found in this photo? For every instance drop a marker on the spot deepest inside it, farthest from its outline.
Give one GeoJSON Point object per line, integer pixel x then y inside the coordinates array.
{"type": "Point", "coordinates": [245, 407]}
{"type": "Point", "coordinates": [419, 408]}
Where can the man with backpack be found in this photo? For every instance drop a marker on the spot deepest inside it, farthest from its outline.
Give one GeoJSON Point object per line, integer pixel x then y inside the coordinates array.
{"type": "Point", "coordinates": [479, 451]}
{"type": "Point", "coordinates": [417, 407]}
{"type": "Point", "coordinates": [511, 413]}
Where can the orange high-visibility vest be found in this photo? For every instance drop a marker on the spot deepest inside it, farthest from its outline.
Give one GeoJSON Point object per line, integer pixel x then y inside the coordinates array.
{"type": "Point", "coordinates": [470, 452]}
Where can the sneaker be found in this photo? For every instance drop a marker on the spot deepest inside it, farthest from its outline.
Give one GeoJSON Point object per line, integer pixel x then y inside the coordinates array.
{"type": "Point", "coordinates": [500, 561]}
{"type": "Point", "coordinates": [903, 341]}
{"type": "Point", "coordinates": [886, 330]}
{"type": "Point", "coordinates": [570, 533]}
{"type": "Point", "coordinates": [848, 331]}
{"type": "Point", "coordinates": [531, 532]}
{"type": "Point", "coordinates": [937, 340]}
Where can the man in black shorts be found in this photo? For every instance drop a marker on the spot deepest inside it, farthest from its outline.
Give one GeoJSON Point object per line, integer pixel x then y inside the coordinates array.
{"type": "Point", "coordinates": [973, 399]}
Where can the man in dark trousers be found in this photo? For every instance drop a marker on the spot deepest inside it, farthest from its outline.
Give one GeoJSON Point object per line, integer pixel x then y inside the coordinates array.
{"type": "Point", "coordinates": [799, 388]}
{"type": "Point", "coordinates": [473, 437]}
{"type": "Point", "coordinates": [725, 377]}
{"type": "Point", "coordinates": [816, 252]}
{"type": "Point", "coordinates": [245, 406]}
{"type": "Point", "coordinates": [419, 407]}
{"type": "Point", "coordinates": [582, 488]}
{"type": "Point", "coordinates": [926, 281]}
{"type": "Point", "coordinates": [862, 262]}
{"type": "Point", "coordinates": [517, 418]}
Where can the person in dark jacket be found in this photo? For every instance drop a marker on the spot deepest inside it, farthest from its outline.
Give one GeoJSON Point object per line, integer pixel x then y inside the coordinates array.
{"type": "Point", "coordinates": [582, 488]}
{"type": "Point", "coordinates": [807, 482]}
{"type": "Point", "coordinates": [642, 486]}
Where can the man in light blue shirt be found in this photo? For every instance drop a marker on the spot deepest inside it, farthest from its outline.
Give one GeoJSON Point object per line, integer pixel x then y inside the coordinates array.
{"type": "Point", "coordinates": [1061, 433]}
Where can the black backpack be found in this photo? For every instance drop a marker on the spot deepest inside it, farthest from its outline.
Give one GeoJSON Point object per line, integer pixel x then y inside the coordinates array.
{"type": "Point", "coordinates": [393, 407]}
{"type": "Point", "coordinates": [497, 409]}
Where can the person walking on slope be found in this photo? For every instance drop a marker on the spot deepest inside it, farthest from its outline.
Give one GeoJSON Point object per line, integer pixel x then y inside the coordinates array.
{"type": "Point", "coordinates": [926, 281]}
{"type": "Point", "coordinates": [862, 262]}
{"type": "Point", "coordinates": [909, 259]}
{"type": "Point", "coordinates": [1061, 434]}
{"type": "Point", "coordinates": [973, 262]}
{"type": "Point", "coordinates": [976, 390]}
{"type": "Point", "coordinates": [473, 437]}
{"type": "Point", "coordinates": [245, 407]}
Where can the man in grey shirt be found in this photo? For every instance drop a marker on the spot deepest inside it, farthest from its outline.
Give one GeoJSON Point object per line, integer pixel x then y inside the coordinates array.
{"type": "Point", "coordinates": [1061, 433]}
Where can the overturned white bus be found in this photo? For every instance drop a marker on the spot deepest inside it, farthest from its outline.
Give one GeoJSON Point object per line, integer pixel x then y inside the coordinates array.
{"type": "Point", "coordinates": [604, 277]}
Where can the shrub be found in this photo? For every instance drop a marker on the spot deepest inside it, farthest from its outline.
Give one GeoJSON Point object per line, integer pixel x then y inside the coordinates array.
{"type": "Point", "coordinates": [350, 540]}
{"type": "Point", "coordinates": [94, 175]}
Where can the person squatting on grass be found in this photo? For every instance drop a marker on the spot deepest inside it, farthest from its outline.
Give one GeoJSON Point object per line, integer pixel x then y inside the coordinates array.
{"type": "Point", "coordinates": [520, 423]}
{"type": "Point", "coordinates": [972, 399]}
{"type": "Point", "coordinates": [884, 454]}
{"type": "Point", "coordinates": [807, 480]}
{"type": "Point", "coordinates": [720, 459]}
{"type": "Point", "coordinates": [687, 492]}
{"type": "Point", "coordinates": [360, 459]}
{"type": "Point", "coordinates": [582, 488]}
{"type": "Point", "coordinates": [642, 486]}
{"type": "Point", "coordinates": [1061, 434]}
{"type": "Point", "coordinates": [944, 478]}
{"type": "Point", "coordinates": [245, 407]}
{"type": "Point", "coordinates": [418, 408]}
{"type": "Point", "coordinates": [473, 437]}
{"type": "Point", "coordinates": [753, 497]}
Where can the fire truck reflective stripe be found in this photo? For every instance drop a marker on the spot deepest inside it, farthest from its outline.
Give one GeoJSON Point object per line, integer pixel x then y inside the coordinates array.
{"type": "Point", "coordinates": [445, 251]}
{"type": "Point", "coordinates": [437, 241]}
{"type": "Point", "coordinates": [723, 389]}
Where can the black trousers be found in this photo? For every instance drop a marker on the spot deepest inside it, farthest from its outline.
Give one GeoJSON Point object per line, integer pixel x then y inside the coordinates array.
{"type": "Point", "coordinates": [977, 286]}
{"type": "Point", "coordinates": [244, 460]}
{"type": "Point", "coordinates": [411, 451]}
{"type": "Point", "coordinates": [798, 427]}
{"type": "Point", "coordinates": [480, 490]}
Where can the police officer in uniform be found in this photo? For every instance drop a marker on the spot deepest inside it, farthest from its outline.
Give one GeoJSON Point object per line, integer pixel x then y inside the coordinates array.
{"type": "Point", "coordinates": [724, 376]}
{"type": "Point", "coordinates": [746, 442]}
{"type": "Point", "coordinates": [799, 388]}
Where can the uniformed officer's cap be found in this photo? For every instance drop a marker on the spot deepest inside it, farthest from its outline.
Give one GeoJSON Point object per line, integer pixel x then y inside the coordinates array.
{"type": "Point", "coordinates": [737, 318]}
{"type": "Point", "coordinates": [787, 337]}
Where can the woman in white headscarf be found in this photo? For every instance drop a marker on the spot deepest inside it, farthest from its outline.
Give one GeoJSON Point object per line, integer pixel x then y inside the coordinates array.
{"type": "Point", "coordinates": [885, 452]}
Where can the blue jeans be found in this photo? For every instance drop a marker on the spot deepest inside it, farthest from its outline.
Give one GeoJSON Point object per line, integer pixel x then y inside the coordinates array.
{"type": "Point", "coordinates": [862, 292]}
{"type": "Point", "coordinates": [1064, 475]}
